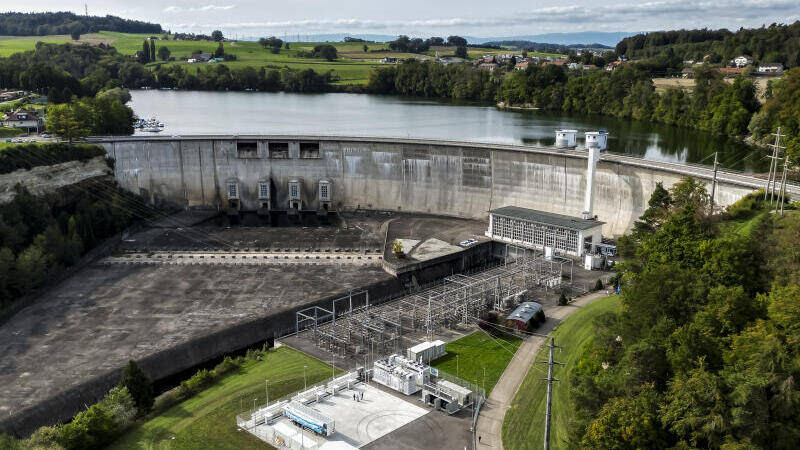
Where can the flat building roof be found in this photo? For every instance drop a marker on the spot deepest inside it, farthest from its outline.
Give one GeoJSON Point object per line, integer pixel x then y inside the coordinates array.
{"type": "Point", "coordinates": [548, 218]}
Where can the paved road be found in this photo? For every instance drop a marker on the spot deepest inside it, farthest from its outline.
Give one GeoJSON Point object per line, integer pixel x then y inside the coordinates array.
{"type": "Point", "coordinates": [245, 257]}
{"type": "Point", "coordinates": [490, 421]}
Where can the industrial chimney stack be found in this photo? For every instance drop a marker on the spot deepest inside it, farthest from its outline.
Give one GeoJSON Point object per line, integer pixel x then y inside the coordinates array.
{"type": "Point", "coordinates": [593, 157]}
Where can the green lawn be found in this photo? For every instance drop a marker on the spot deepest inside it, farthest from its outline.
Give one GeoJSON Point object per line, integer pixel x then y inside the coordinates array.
{"type": "Point", "coordinates": [207, 420]}
{"type": "Point", "coordinates": [476, 352]}
{"type": "Point", "coordinates": [523, 425]}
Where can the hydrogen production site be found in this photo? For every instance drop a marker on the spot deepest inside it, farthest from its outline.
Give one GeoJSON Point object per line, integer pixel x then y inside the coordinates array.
{"type": "Point", "coordinates": [369, 253]}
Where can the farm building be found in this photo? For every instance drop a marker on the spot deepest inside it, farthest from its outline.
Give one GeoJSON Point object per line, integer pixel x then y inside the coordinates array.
{"type": "Point", "coordinates": [524, 314]}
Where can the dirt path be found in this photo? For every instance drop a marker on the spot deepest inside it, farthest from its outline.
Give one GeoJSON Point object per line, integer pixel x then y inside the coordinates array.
{"type": "Point", "coordinates": [490, 421]}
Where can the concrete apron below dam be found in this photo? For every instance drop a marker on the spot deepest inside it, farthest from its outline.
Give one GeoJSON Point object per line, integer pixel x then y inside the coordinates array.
{"type": "Point", "coordinates": [67, 349]}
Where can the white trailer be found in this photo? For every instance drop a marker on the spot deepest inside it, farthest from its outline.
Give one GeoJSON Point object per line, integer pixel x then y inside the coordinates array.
{"type": "Point", "coordinates": [309, 418]}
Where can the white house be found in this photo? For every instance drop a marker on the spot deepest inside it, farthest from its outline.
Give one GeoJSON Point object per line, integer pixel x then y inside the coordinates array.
{"type": "Point", "coordinates": [742, 61]}
{"type": "Point", "coordinates": [21, 118]}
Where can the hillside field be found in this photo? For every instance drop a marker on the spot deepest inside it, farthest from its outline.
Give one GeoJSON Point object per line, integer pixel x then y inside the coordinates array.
{"type": "Point", "coordinates": [352, 66]}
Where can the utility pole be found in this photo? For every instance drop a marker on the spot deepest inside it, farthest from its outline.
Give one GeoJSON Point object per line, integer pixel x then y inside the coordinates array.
{"type": "Point", "coordinates": [550, 363]}
{"type": "Point", "coordinates": [773, 166]}
{"type": "Point", "coordinates": [782, 190]}
{"type": "Point", "coordinates": [714, 182]}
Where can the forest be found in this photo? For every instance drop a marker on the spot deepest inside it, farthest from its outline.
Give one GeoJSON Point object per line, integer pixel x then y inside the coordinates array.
{"type": "Point", "coordinates": [704, 352]}
{"type": "Point", "coordinates": [777, 43]}
{"type": "Point", "coordinates": [627, 92]}
{"type": "Point", "coordinates": [41, 236]}
{"type": "Point", "coordinates": [48, 23]}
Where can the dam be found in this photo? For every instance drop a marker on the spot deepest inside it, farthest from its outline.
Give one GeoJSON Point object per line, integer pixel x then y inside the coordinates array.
{"type": "Point", "coordinates": [171, 316]}
{"type": "Point", "coordinates": [425, 176]}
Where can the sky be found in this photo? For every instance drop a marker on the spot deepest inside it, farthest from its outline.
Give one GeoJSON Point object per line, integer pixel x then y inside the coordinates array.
{"type": "Point", "coordinates": [477, 18]}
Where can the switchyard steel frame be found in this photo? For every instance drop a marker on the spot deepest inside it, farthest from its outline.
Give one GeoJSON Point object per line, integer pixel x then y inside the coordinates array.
{"type": "Point", "coordinates": [378, 329]}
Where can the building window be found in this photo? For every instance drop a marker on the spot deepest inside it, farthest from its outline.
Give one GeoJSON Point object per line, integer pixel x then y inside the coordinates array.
{"type": "Point", "coordinates": [309, 150]}
{"type": "Point", "coordinates": [324, 192]}
{"type": "Point", "coordinates": [233, 190]}
{"type": "Point", "coordinates": [246, 149]}
{"type": "Point", "coordinates": [278, 150]}
{"type": "Point", "coordinates": [263, 189]}
{"type": "Point", "coordinates": [293, 191]}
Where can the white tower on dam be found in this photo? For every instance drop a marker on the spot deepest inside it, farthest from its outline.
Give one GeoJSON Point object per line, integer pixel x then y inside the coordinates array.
{"type": "Point", "coordinates": [591, 166]}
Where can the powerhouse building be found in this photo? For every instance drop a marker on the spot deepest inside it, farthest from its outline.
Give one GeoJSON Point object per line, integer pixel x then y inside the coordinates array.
{"type": "Point", "coordinates": [535, 229]}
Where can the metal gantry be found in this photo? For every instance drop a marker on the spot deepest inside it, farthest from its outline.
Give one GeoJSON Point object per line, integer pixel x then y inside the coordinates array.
{"type": "Point", "coordinates": [354, 326]}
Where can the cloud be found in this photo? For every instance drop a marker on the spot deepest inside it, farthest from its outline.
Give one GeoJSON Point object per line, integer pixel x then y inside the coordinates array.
{"type": "Point", "coordinates": [176, 9]}
{"type": "Point", "coordinates": [654, 14]}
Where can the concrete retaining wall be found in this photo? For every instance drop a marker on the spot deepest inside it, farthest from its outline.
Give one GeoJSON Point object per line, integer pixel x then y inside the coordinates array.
{"type": "Point", "coordinates": [447, 178]}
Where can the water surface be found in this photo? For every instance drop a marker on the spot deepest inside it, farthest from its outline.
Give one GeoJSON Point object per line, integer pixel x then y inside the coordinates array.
{"type": "Point", "coordinates": [196, 112]}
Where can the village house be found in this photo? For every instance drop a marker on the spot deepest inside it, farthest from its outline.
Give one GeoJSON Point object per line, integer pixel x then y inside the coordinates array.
{"type": "Point", "coordinates": [200, 57]}
{"type": "Point", "coordinates": [687, 72]}
{"type": "Point", "coordinates": [522, 65]}
{"type": "Point", "coordinates": [28, 120]}
{"type": "Point", "coordinates": [770, 69]}
{"type": "Point", "coordinates": [488, 66]}
{"type": "Point", "coordinates": [731, 71]}
{"type": "Point", "coordinates": [742, 61]}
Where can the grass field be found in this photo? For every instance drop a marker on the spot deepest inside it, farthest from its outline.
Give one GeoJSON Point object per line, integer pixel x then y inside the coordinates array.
{"type": "Point", "coordinates": [352, 66]}
{"type": "Point", "coordinates": [475, 352]}
{"type": "Point", "coordinates": [207, 420]}
{"type": "Point", "coordinates": [524, 422]}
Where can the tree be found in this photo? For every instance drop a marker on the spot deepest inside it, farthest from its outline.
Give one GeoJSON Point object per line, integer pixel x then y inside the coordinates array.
{"type": "Point", "coordinates": [366, 48]}
{"type": "Point", "coordinates": [456, 41]}
{"type": "Point", "coordinates": [326, 51]}
{"type": "Point", "coordinates": [397, 248]}
{"type": "Point", "coordinates": [145, 55]}
{"type": "Point", "coordinates": [286, 46]}
{"type": "Point", "coordinates": [461, 52]}
{"type": "Point", "coordinates": [67, 123]}
{"type": "Point", "coordinates": [628, 423]}
{"type": "Point", "coordinates": [152, 50]}
{"type": "Point", "coordinates": [75, 35]}
{"type": "Point", "coordinates": [216, 35]}
{"type": "Point", "coordinates": [139, 385]}
{"type": "Point", "coordinates": [163, 53]}
{"type": "Point", "coordinates": [273, 43]}
{"type": "Point", "coordinates": [220, 52]}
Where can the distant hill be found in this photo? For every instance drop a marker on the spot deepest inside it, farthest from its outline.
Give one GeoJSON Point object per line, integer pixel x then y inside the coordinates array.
{"type": "Point", "coordinates": [546, 47]}
{"type": "Point", "coordinates": [43, 24]}
{"type": "Point", "coordinates": [598, 37]}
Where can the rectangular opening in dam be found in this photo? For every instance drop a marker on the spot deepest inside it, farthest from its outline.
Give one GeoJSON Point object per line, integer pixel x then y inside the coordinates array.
{"type": "Point", "coordinates": [309, 150]}
{"type": "Point", "coordinates": [246, 149]}
{"type": "Point", "coordinates": [278, 150]}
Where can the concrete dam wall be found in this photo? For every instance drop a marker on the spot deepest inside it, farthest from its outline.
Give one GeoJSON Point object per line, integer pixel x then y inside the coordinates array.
{"type": "Point", "coordinates": [438, 177]}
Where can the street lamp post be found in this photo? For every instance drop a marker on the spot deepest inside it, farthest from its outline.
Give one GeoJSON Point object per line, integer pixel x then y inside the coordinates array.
{"type": "Point", "coordinates": [457, 366]}
{"type": "Point", "coordinates": [305, 384]}
{"type": "Point", "coordinates": [266, 389]}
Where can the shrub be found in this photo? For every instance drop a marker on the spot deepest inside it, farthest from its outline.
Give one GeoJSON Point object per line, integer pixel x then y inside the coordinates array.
{"type": "Point", "coordinates": [540, 317]}
{"type": "Point", "coordinates": [563, 300]}
{"type": "Point", "coordinates": [747, 205]}
{"type": "Point", "coordinates": [598, 285]}
{"type": "Point", "coordinates": [120, 404]}
{"type": "Point", "coordinates": [195, 383]}
{"type": "Point", "coordinates": [227, 365]}
{"type": "Point", "coordinates": [93, 428]}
